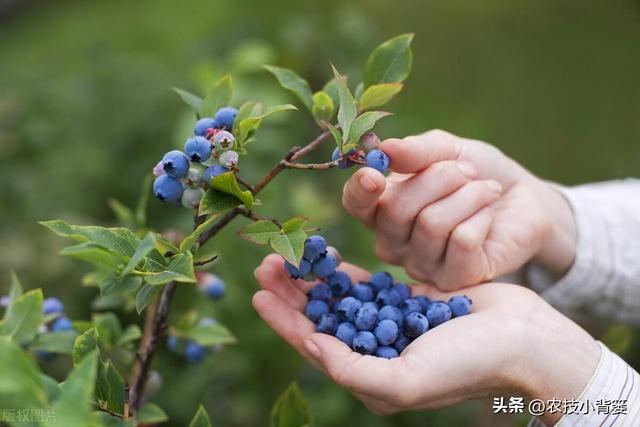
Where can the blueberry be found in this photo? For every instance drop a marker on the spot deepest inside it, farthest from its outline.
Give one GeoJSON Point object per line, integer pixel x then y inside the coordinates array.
{"type": "Point", "coordinates": [366, 318]}
{"type": "Point", "coordinates": [392, 313]}
{"type": "Point", "coordinates": [191, 197]}
{"type": "Point", "coordinates": [168, 189]}
{"type": "Point", "coordinates": [410, 305]}
{"type": "Point", "coordinates": [223, 140]}
{"type": "Point", "coordinates": [298, 272]}
{"type": "Point", "coordinates": [370, 304]}
{"type": "Point", "coordinates": [362, 291]}
{"type": "Point", "coordinates": [344, 163]}
{"type": "Point", "coordinates": [194, 177]}
{"type": "Point", "coordinates": [198, 149]}
{"type": "Point", "coordinates": [158, 169]}
{"type": "Point", "coordinates": [316, 308]}
{"type": "Point", "coordinates": [211, 285]}
{"type": "Point", "coordinates": [415, 324]}
{"type": "Point", "coordinates": [52, 305]}
{"type": "Point", "coordinates": [225, 117]}
{"type": "Point", "coordinates": [388, 297]}
{"type": "Point", "coordinates": [386, 332]}
{"type": "Point", "coordinates": [424, 302]}
{"type": "Point", "coordinates": [327, 324]}
{"type": "Point", "coordinates": [172, 343]}
{"type": "Point", "coordinates": [321, 292]}
{"type": "Point", "coordinates": [229, 159]}
{"type": "Point", "coordinates": [438, 313]}
{"type": "Point", "coordinates": [324, 266]}
{"type": "Point", "coordinates": [203, 125]}
{"type": "Point", "coordinates": [334, 253]}
{"type": "Point", "coordinates": [175, 164]}
{"type": "Point", "coordinates": [346, 332]}
{"type": "Point", "coordinates": [369, 141]}
{"type": "Point", "coordinates": [347, 309]}
{"type": "Point", "coordinates": [336, 305]}
{"type": "Point", "coordinates": [213, 171]}
{"type": "Point", "coordinates": [339, 282]}
{"type": "Point", "coordinates": [387, 352]}
{"type": "Point", "coordinates": [403, 290]}
{"type": "Point", "coordinates": [381, 280]}
{"type": "Point", "coordinates": [45, 356]}
{"type": "Point", "coordinates": [62, 324]}
{"type": "Point", "coordinates": [365, 343]}
{"type": "Point", "coordinates": [314, 247]}
{"type": "Point", "coordinates": [378, 160]}
{"type": "Point", "coordinates": [460, 305]}
{"type": "Point", "coordinates": [401, 342]}
{"type": "Point", "coordinates": [207, 321]}
{"type": "Point", "coordinates": [194, 352]}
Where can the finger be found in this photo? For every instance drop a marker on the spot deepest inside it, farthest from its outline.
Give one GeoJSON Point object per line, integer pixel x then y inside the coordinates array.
{"type": "Point", "coordinates": [273, 277]}
{"type": "Point", "coordinates": [361, 192]}
{"type": "Point", "coordinates": [414, 154]}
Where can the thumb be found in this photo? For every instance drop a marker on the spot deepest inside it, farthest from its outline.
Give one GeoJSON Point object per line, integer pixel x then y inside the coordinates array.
{"type": "Point", "coordinates": [414, 154]}
{"type": "Point", "coordinates": [361, 193]}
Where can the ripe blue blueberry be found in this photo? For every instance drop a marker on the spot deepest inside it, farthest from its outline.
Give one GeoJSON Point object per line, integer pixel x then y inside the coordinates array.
{"type": "Point", "coordinates": [168, 189]}
{"type": "Point", "coordinates": [198, 149]}
{"type": "Point", "coordinates": [324, 266]}
{"type": "Point", "coordinates": [387, 352]}
{"type": "Point", "coordinates": [362, 291]}
{"type": "Point", "coordinates": [172, 343]}
{"type": "Point", "coordinates": [460, 305]}
{"type": "Point", "coordinates": [414, 324]}
{"type": "Point", "coordinates": [175, 164]}
{"type": "Point", "coordinates": [194, 352]}
{"type": "Point", "coordinates": [191, 197]}
{"type": "Point", "coordinates": [347, 309]}
{"type": "Point", "coordinates": [381, 280]}
{"type": "Point", "coordinates": [410, 305]}
{"type": "Point", "coordinates": [334, 253]}
{"type": "Point", "coordinates": [327, 324]}
{"type": "Point", "coordinates": [391, 313]}
{"type": "Point", "coordinates": [438, 313]}
{"type": "Point", "coordinates": [52, 305]}
{"type": "Point", "coordinates": [366, 318]}
{"type": "Point", "coordinates": [344, 163]}
{"type": "Point", "coordinates": [378, 160]}
{"type": "Point", "coordinates": [370, 304]}
{"type": "Point", "coordinates": [335, 306]}
{"type": "Point", "coordinates": [339, 282]}
{"type": "Point", "coordinates": [298, 272]}
{"type": "Point", "coordinates": [365, 343]}
{"type": "Point", "coordinates": [389, 297]}
{"type": "Point", "coordinates": [225, 117]}
{"type": "Point", "coordinates": [321, 292]}
{"type": "Point", "coordinates": [403, 290]}
{"type": "Point", "coordinates": [203, 125]}
{"type": "Point", "coordinates": [62, 324]}
{"type": "Point", "coordinates": [316, 308]}
{"type": "Point", "coordinates": [213, 171]}
{"type": "Point", "coordinates": [386, 332]}
{"type": "Point", "coordinates": [401, 342]}
{"type": "Point", "coordinates": [211, 285]}
{"type": "Point", "coordinates": [424, 302]}
{"type": "Point", "coordinates": [223, 140]}
{"type": "Point", "coordinates": [314, 247]}
{"type": "Point", "coordinates": [346, 332]}
{"type": "Point", "coordinates": [229, 159]}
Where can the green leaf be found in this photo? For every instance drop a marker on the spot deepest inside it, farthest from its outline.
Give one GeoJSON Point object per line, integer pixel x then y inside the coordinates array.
{"type": "Point", "coordinates": [390, 62]}
{"type": "Point", "coordinates": [331, 89]}
{"type": "Point", "coordinates": [118, 239]}
{"type": "Point", "coordinates": [245, 111]}
{"type": "Point", "coordinates": [323, 107]}
{"type": "Point", "coordinates": [189, 98]}
{"type": "Point", "coordinates": [109, 328]}
{"type": "Point", "coordinates": [113, 285]}
{"type": "Point", "coordinates": [147, 245]}
{"type": "Point", "coordinates": [335, 133]}
{"type": "Point", "coordinates": [291, 409]}
{"type": "Point", "coordinates": [363, 123]}
{"type": "Point", "coordinates": [290, 245]}
{"type": "Point", "coordinates": [259, 232]}
{"type": "Point", "coordinates": [224, 194]}
{"type": "Point", "coordinates": [208, 335]}
{"type": "Point", "coordinates": [377, 95]}
{"type": "Point", "coordinates": [218, 96]}
{"type": "Point", "coordinates": [151, 413]}
{"type": "Point", "coordinates": [50, 387]}
{"type": "Point", "coordinates": [123, 213]}
{"type": "Point", "coordinates": [144, 296]}
{"type": "Point", "coordinates": [227, 183]}
{"type": "Point", "coordinates": [347, 111]}
{"type": "Point", "coordinates": [250, 125]}
{"type": "Point", "coordinates": [56, 342]}
{"type": "Point", "coordinates": [215, 202]}
{"type": "Point", "coordinates": [291, 81]}
{"type": "Point", "coordinates": [110, 387]}
{"type": "Point", "coordinates": [131, 333]}
{"type": "Point", "coordinates": [357, 93]}
{"type": "Point", "coordinates": [163, 245]}
{"type": "Point", "coordinates": [293, 224]}
{"type": "Point", "coordinates": [85, 344]}
{"type": "Point", "coordinates": [96, 255]}
{"type": "Point", "coordinates": [180, 269]}
{"type": "Point", "coordinates": [23, 317]}
{"type": "Point", "coordinates": [73, 407]}
{"type": "Point", "coordinates": [201, 418]}
{"type": "Point", "coordinates": [21, 384]}
{"type": "Point", "coordinates": [15, 291]}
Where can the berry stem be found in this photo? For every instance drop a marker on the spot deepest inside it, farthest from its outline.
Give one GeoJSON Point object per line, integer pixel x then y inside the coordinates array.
{"type": "Point", "coordinates": [314, 166]}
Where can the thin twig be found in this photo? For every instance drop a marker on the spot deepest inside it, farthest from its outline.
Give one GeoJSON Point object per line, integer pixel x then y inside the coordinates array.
{"type": "Point", "coordinates": [205, 261]}
{"type": "Point", "coordinates": [110, 412]}
{"type": "Point", "coordinates": [314, 166]}
{"type": "Point", "coordinates": [245, 183]}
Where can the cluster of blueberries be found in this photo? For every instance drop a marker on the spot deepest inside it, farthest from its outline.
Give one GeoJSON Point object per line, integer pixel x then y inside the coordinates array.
{"type": "Point", "coordinates": [183, 177]}
{"type": "Point", "coordinates": [55, 321]}
{"type": "Point", "coordinates": [369, 148]}
{"type": "Point", "coordinates": [378, 317]}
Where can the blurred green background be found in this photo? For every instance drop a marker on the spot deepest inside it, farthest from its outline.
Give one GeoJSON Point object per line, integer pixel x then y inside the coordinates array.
{"type": "Point", "coordinates": [86, 111]}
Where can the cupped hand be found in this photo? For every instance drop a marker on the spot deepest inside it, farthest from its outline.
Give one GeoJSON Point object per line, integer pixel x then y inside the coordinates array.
{"type": "Point", "coordinates": [456, 212]}
{"type": "Point", "coordinates": [512, 342]}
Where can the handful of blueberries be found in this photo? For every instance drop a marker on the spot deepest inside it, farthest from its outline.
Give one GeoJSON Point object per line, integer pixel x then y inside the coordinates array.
{"type": "Point", "coordinates": [378, 317]}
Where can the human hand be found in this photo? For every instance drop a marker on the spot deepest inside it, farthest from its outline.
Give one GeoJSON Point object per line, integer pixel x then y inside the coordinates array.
{"type": "Point", "coordinates": [456, 212]}
{"type": "Point", "coordinates": [513, 342]}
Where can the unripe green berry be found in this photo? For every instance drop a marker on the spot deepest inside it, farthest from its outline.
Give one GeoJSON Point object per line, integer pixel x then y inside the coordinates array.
{"type": "Point", "coordinates": [194, 176]}
{"type": "Point", "coordinates": [369, 141]}
{"type": "Point", "coordinates": [191, 197]}
{"type": "Point", "coordinates": [229, 159]}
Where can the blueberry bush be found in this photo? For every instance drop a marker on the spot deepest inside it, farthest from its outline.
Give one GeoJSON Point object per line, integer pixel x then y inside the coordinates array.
{"type": "Point", "coordinates": [112, 378]}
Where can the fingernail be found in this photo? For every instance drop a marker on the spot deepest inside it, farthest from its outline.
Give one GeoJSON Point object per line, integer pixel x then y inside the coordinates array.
{"type": "Point", "coordinates": [368, 183]}
{"type": "Point", "coordinates": [467, 169]}
{"type": "Point", "coordinates": [495, 186]}
{"type": "Point", "coordinates": [312, 348]}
